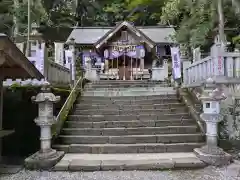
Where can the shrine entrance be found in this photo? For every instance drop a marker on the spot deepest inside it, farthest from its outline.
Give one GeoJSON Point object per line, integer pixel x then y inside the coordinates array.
{"type": "Point", "coordinates": [123, 68]}
{"type": "Point", "coordinates": [124, 49]}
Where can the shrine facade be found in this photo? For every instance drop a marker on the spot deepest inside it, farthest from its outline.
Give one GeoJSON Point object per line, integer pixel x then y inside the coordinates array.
{"type": "Point", "coordinates": [125, 52]}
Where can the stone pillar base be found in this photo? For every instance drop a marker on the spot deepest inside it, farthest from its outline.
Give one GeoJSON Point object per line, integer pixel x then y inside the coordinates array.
{"type": "Point", "coordinates": [213, 155]}
{"type": "Point", "coordinates": [43, 160]}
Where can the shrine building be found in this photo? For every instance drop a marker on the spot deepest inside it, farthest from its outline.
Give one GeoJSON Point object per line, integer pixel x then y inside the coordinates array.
{"type": "Point", "coordinates": [125, 51]}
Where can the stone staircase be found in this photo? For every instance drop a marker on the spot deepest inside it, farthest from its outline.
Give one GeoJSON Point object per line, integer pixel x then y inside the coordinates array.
{"type": "Point", "coordinates": [129, 125]}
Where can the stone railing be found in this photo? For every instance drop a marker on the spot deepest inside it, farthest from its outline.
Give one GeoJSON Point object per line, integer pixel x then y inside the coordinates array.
{"type": "Point", "coordinates": [218, 78]}
{"type": "Point", "coordinates": [68, 105]}
{"type": "Point", "coordinates": [224, 68]}
{"type": "Point", "coordinates": [54, 73]}
{"type": "Point", "coordinates": [57, 74]}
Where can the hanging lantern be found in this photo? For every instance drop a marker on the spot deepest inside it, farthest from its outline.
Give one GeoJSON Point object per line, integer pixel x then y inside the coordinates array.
{"type": "Point", "coordinates": [142, 52]}
{"type": "Point", "coordinates": [106, 53]}
{"type": "Point", "coordinates": [138, 51]}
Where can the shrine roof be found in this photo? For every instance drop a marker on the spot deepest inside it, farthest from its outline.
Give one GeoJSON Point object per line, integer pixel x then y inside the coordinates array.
{"type": "Point", "coordinates": [90, 35]}
{"type": "Point", "coordinates": [13, 63]}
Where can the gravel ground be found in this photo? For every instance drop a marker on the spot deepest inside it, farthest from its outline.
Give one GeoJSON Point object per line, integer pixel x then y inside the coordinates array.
{"type": "Point", "coordinates": [231, 172]}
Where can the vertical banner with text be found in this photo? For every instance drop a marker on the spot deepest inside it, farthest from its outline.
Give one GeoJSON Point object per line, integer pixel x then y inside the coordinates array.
{"type": "Point", "coordinates": [176, 62]}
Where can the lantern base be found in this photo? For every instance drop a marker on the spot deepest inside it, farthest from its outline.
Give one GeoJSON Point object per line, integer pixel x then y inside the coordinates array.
{"type": "Point", "coordinates": [43, 160]}
{"type": "Point", "coordinates": [213, 155]}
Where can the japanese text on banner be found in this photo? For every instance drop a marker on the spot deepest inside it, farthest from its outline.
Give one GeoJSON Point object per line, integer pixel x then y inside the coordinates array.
{"type": "Point", "coordinates": [176, 62]}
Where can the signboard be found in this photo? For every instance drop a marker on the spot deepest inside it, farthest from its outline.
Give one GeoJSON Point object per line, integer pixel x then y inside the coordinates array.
{"type": "Point", "coordinates": [176, 62]}
{"type": "Point", "coordinates": [59, 55]}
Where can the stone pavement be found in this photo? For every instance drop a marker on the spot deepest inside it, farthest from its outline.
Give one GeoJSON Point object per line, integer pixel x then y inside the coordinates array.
{"type": "Point", "coordinates": [231, 172]}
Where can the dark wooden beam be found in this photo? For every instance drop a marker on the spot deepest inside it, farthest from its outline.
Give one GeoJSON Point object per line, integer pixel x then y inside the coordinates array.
{"type": "Point", "coordinates": [14, 73]}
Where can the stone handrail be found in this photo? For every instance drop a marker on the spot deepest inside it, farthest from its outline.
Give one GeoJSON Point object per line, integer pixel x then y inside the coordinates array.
{"type": "Point", "coordinates": [185, 96]}
{"type": "Point", "coordinates": [63, 113]}
{"type": "Point", "coordinates": [224, 68]}
{"type": "Point", "coordinates": [57, 74]}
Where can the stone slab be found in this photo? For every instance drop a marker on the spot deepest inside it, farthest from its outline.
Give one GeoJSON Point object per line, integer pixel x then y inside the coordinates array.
{"type": "Point", "coordinates": [130, 131]}
{"type": "Point", "coordinates": [211, 159]}
{"type": "Point", "coordinates": [111, 165]}
{"type": "Point", "coordinates": [130, 111]}
{"type": "Point", "coordinates": [37, 162]}
{"type": "Point", "coordinates": [85, 165]}
{"type": "Point", "coordinates": [130, 124]}
{"type": "Point", "coordinates": [156, 116]}
{"type": "Point", "coordinates": [116, 162]}
{"type": "Point", "coordinates": [135, 98]}
{"type": "Point", "coordinates": [133, 148]}
{"type": "Point", "coordinates": [192, 162]}
{"type": "Point", "coordinates": [63, 165]}
{"type": "Point", "coordinates": [131, 139]}
{"type": "Point", "coordinates": [126, 106]}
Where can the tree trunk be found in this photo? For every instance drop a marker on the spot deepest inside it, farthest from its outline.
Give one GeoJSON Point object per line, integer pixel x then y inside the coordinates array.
{"type": "Point", "coordinates": [221, 21]}
{"type": "Point", "coordinates": [15, 20]}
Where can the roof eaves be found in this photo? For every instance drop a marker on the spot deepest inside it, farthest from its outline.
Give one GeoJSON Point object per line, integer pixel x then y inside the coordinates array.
{"type": "Point", "coordinates": [30, 68]}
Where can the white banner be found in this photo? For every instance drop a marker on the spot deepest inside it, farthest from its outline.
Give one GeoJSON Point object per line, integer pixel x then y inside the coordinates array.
{"type": "Point", "coordinates": [70, 62]}
{"type": "Point", "coordinates": [176, 62]}
{"type": "Point", "coordinates": [59, 55]}
{"type": "Point", "coordinates": [68, 57]}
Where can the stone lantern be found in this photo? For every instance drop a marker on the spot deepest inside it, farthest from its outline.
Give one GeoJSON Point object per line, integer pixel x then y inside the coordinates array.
{"type": "Point", "coordinates": [211, 153]}
{"type": "Point", "coordinates": [46, 157]}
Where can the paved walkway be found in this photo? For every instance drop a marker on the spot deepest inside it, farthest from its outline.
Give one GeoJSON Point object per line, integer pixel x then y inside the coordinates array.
{"type": "Point", "coordinates": [232, 172]}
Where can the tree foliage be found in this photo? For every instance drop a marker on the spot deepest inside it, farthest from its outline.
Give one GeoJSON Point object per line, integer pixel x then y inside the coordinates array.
{"type": "Point", "coordinates": [195, 20]}
{"type": "Point", "coordinates": [6, 16]}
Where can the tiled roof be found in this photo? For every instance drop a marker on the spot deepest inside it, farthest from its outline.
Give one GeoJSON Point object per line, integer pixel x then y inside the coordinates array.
{"type": "Point", "coordinates": [90, 35]}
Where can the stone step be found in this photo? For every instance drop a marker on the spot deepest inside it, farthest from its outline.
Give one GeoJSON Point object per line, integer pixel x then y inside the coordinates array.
{"type": "Point", "coordinates": [130, 131]}
{"type": "Point", "coordinates": [119, 162]}
{"type": "Point", "coordinates": [127, 101]}
{"type": "Point", "coordinates": [128, 93]}
{"type": "Point", "coordinates": [156, 116]}
{"type": "Point", "coordinates": [125, 82]}
{"type": "Point", "coordinates": [131, 139]}
{"type": "Point", "coordinates": [133, 123]}
{"type": "Point", "coordinates": [128, 148]}
{"type": "Point", "coordinates": [126, 89]}
{"type": "Point", "coordinates": [98, 86]}
{"type": "Point", "coordinates": [132, 98]}
{"type": "Point", "coordinates": [127, 106]}
{"type": "Point", "coordinates": [129, 111]}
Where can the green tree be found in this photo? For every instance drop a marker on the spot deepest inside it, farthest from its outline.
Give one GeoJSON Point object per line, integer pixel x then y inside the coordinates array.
{"type": "Point", "coordinates": [198, 21]}
{"type": "Point", "coordinates": [6, 17]}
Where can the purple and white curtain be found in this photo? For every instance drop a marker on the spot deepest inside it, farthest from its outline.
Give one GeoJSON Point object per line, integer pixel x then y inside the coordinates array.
{"type": "Point", "coordinates": [133, 52]}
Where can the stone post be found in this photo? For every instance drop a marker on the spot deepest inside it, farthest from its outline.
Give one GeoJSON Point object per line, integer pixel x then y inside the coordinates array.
{"type": "Point", "coordinates": [185, 63]}
{"type": "Point", "coordinates": [46, 157]}
{"type": "Point", "coordinates": [211, 153]}
{"type": "Point", "coordinates": [71, 45]}
{"type": "Point", "coordinates": [91, 73]}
